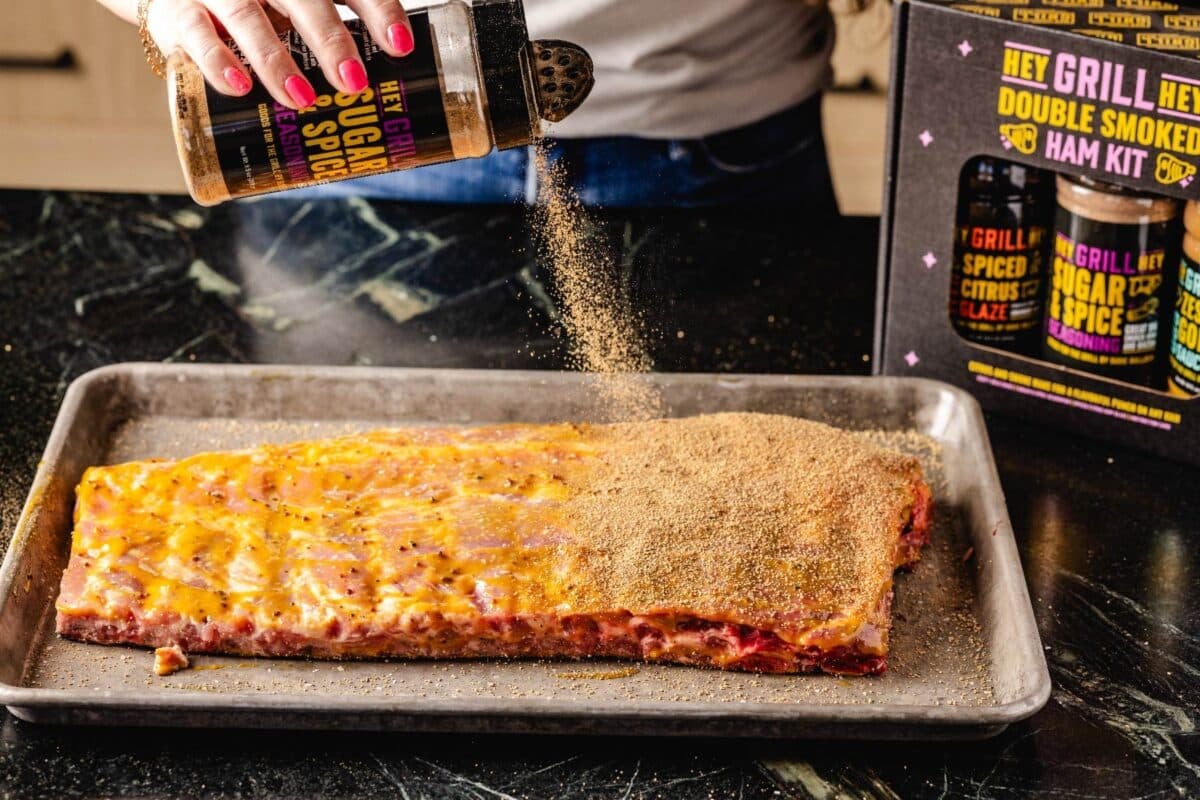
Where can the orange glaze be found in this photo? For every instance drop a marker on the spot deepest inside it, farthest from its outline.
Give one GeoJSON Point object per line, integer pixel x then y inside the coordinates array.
{"type": "Point", "coordinates": [377, 526]}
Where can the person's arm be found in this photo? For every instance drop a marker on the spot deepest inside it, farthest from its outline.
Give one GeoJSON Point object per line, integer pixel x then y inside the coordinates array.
{"type": "Point", "coordinates": [200, 27]}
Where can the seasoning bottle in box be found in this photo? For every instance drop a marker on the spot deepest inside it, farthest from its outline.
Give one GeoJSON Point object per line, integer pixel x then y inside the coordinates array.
{"type": "Point", "coordinates": [1184, 357]}
{"type": "Point", "coordinates": [474, 82]}
{"type": "Point", "coordinates": [1110, 288]}
{"type": "Point", "coordinates": [996, 287]}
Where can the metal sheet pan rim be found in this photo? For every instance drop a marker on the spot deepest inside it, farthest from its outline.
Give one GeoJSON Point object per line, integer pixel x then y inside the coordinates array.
{"type": "Point", "coordinates": [1005, 713]}
{"type": "Point", "coordinates": [1037, 685]}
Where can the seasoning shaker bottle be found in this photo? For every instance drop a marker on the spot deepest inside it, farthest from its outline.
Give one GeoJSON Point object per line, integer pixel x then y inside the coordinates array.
{"type": "Point", "coordinates": [1184, 356]}
{"type": "Point", "coordinates": [1109, 286]}
{"type": "Point", "coordinates": [1005, 211]}
{"type": "Point", "coordinates": [474, 82]}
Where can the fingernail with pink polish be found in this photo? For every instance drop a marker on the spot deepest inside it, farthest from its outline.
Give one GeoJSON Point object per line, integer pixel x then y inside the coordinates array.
{"type": "Point", "coordinates": [401, 39]}
{"type": "Point", "coordinates": [300, 90]}
{"type": "Point", "coordinates": [353, 74]}
{"type": "Point", "coordinates": [237, 80]}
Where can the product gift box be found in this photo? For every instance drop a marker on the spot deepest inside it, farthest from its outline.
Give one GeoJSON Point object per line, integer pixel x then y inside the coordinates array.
{"type": "Point", "coordinates": [1037, 247]}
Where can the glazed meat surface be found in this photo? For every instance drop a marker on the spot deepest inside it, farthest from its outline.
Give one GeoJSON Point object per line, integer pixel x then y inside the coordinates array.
{"type": "Point", "coordinates": [738, 541]}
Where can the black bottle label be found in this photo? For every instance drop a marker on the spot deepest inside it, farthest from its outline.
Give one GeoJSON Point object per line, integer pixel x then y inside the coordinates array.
{"type": "Point", "coordinates": [1185, 332]}
{"type": "Point", "coordinates": [399, 121]}
{"type": "Point", "coordinates": [995, 291]}
{"type": "Point", "coordinates": [1105, 300]}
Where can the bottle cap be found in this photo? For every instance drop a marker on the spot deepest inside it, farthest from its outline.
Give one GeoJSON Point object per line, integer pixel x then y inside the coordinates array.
{"type": "Point", "coordinates": [563, 75]}
{"type": "Point", "coordinates": [1191, 218]}
{"type": "Point", "coordinates": [524, 80]}
{"type": "Point", "coordinates": [1108, 202]}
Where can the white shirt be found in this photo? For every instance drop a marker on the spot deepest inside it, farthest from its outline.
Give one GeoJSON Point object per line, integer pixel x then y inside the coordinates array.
{"type": "Point", "coordinates": [669, 69]}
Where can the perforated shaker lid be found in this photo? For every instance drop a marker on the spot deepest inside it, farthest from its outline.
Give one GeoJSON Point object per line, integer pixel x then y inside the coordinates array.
{"type": "Point", "coordinates": [524, 80]}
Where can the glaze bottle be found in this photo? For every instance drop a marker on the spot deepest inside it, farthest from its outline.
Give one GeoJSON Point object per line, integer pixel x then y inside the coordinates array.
{"type": "Point", "coordinates": [1005, 211]}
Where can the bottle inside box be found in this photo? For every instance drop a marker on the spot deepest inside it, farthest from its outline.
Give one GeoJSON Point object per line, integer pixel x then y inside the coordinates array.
{"type": "Point", "coordinates": [1077, 272]}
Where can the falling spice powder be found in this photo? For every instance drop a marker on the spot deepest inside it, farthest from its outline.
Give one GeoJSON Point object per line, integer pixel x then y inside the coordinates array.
{"type": "Point", "coordinates": [606, 336]}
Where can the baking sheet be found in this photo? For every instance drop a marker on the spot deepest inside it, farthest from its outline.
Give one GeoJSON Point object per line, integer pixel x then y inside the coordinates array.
{"type": "Point", "coordinates": [966, 659]}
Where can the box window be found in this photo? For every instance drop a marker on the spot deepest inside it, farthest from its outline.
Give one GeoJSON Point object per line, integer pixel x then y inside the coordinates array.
{"type": "Point", "coordinates": [1080, 273]}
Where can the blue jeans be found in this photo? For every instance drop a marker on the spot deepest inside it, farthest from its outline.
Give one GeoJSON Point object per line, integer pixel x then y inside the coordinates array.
{"type": "Point", "coordinates": [779, 161]}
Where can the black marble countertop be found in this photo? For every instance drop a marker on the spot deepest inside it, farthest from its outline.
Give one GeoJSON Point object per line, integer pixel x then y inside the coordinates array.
{"type": "Point", "coordinates": [1110, 539]}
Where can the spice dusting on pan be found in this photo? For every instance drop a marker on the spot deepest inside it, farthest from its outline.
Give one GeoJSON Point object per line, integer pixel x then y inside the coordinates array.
{"type": "Point", "coordinates": [604, 675]}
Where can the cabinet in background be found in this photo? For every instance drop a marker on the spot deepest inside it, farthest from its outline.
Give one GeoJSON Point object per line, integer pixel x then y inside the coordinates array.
{"type": "Point", "coordinates": [79, 108]}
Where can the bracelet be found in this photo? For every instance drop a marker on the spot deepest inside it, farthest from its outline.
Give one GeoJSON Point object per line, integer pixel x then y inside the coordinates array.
{"type": "Point", "coordinates": [154, 56]}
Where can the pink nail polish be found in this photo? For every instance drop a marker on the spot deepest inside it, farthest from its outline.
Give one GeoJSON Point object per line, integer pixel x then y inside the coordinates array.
{"type": "Point", "coordinates": [401, 39]}
{"type": "Point", "coordinates": [300, 90]}
{"type": "Point", "coordinates": [353, 75]}
{"type": "Point", "coordinates": [236, 79]}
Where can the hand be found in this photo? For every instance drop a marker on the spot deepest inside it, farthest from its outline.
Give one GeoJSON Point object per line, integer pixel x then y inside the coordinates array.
{"type": "Point", "coordinates": [201, 27]}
